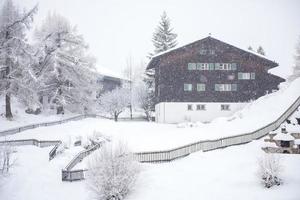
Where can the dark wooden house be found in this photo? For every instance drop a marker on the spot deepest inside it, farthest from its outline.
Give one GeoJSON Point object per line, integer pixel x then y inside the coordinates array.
{"type": "Point", "coordinates": [208, 78]}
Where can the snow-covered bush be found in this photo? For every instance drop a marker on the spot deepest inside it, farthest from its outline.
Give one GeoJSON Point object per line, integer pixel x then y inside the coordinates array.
{"type": "Point", "coordinates": [115, 102]}
{"type": "Point", "coordinates": [112, 172]}
{"type": "Point", "coordinates": [269, 170]}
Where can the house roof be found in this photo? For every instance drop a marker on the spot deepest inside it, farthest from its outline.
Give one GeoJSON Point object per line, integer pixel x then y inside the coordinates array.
{"type": "Point", "coordinates": [110, 74]}
{"type": "Point", "coordinates": [156, 59]}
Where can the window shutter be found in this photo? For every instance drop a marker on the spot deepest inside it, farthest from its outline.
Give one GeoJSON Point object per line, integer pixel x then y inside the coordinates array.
{"type": "Point", "coordinates": [233, 66]}
{"type": "Point", "coordinates": [240, 76]}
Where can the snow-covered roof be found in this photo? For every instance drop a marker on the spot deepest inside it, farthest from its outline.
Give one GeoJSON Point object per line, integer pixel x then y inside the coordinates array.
{"type": "Point", "coordinates": [209, 37]}
{"type": "Point", "coordinates": [270, 144]}
{"type": "Point", "coordinates": [283, 137]}
{"type": "Point", "coordinates": [107, 72]}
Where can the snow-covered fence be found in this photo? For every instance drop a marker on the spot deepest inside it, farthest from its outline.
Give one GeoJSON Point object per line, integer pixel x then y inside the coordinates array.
{"type": "Point", "coordinates": [34, 142]}
{"type": "Point", "coordinates": [79, 117]}
{"type": "Point", "coordinates": [73, 175]}
{"type": "Point", "coordinates": [207, 145]}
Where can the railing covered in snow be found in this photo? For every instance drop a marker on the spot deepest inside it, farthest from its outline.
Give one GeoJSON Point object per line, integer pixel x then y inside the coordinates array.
{"type": "Point", "coordinates": [207, 145]}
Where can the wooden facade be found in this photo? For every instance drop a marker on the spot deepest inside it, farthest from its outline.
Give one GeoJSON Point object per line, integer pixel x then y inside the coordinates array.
{"type": "Point", "coordinates": [172, 72]}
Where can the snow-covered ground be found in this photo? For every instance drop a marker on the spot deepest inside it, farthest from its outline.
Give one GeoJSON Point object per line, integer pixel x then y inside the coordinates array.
{"type": "Point", "coordinates": [145, 136]}
{"type": "Point", "coordinates": [228, 173]}
{"type": "Point", "coordinates": [22, 119]}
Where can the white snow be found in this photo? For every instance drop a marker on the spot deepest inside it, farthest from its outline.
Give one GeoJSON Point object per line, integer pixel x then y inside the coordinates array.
{"type": "Point", "coordinates": [297, 141]}
{"type": "Point", "coordinates": [284, 137]}
{"type": "Point", "coordinates": [107, 72]}
{"type": "Point", "coordinates": [225, 174]}
{"type": "Point", "coordinates": [144, 136]}
{"type": "Point", "coordinates": [22, 119]}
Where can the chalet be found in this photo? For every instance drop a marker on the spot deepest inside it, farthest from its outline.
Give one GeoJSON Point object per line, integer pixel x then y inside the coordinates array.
{"type": "Point", "coordinates": [109, 80]}
{"type": "Point", "coordinates": [207, 79]}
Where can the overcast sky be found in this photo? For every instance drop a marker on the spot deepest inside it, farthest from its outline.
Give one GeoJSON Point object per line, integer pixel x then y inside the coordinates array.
{"type": "Point", "coordinates": [117, 29]}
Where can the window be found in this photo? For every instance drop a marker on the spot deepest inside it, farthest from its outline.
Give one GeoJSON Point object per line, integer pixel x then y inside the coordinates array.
{"type": "Point", "coordinates": [202, 52]}
{"type": "Point", "coordinates": [201, 107]}
{"type": "Point", "coordinates": [190, 107]}
{"type": "Point", "coordinates": [202, 66]}
{"type": "Point", "coordinates": [285, 143]}
{"type": "Point", "coordinates": [225, 87]}
{"type": "Point", "coordinates": [192, 66]}
{"type": "Point", "coordinates": [200, 87]}
{"type": "Point", "coordinates": [225, 107]}
{"type": "Point", "coordinates": [187, 87]}
{"type": "Point", "coordinates": [225, 66]}
{"type": "Point", "coordinates": [246, 76]}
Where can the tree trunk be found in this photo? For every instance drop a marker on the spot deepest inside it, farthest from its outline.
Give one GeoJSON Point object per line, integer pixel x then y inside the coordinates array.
{"type": "Point", "coordinates": [8, 113]}
{"type": "Point", "coordinates": [116, 117]}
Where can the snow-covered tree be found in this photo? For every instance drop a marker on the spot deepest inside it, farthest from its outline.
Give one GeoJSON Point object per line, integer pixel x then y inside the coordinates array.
{"type": "Point", "coordinates": [16, 56]}
{"type": "Point", "coordinates": [261, 51]}
{"type": "Point", "coordinates": [144, 98]}
{"type": "Point", "coordinates": [296, 68]}
{"type": "Point", "coordinates": [163, 37]}
{"type": "Point", "coordinates": [66, 70]}
{"type": "Point", "coordinates": [112, 173]}
{"type": "Point", "coordinates": [269, 170]}
{"type": "Point", "coordinates": [115, 102]}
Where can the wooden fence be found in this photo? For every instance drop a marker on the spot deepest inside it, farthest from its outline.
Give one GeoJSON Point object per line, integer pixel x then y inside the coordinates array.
{"type": "Point", "coordinates": [38, 143]}
{"type": "Point", "coordinates": [208, 145]}
{"type": "Point", "coordinates": [73, 175]}
{"type": "Point", "coordinates": [76, 118]}
{"type": "Point", "coordinates": [154, 156]}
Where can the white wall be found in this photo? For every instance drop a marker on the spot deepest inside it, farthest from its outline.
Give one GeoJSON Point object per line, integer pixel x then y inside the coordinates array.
{"type": "Point", "coordinates": [171, 112]}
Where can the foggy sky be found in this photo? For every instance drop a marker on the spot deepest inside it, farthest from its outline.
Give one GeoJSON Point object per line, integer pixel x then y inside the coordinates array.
{"type": "Point", "coordinates": [117, 29]}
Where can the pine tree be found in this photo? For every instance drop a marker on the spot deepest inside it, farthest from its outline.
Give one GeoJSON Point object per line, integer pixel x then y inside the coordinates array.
{"type": "Point", "coordinates": [16, 56]}
{"type": "Point", "coordinates": [163, 37]}
{"type": "Point", "coordinates": [64, 67]}
{"type": "Point", "coordinates": [261, 51]}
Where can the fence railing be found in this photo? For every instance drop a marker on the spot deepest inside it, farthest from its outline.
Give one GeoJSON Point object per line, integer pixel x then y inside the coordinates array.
{"type": "Point", "coordinates": [155, 156]}
{"type": "Point", "coordinates": [34, 142]}
{"type": "Point", "coordinates": [79, 117]}
{"type": "Point", "coordinates": [73, 175]}
{"type": "Point", "coordinates": [207, 145]}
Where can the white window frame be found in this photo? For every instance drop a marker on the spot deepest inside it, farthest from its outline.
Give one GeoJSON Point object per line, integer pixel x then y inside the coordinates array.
{"type": "Point", "coordinates": [201, 87]}
{"type": "Point", "coordinates": [226, 87]}
{"type": "Point", "coordinates": [187, 87]}
{"type": "Point", "coordinates": [192, 66]}
{"type": "Point", "coordinates": [246, 76]}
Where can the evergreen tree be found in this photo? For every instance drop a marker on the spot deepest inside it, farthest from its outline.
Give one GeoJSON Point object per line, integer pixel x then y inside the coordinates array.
{"type": "Point", "coordinates": [66, 71]}
{"type": "Point", "coordinates": [261, 51]}
{"type": "Point", "coordinates": [163, 37]}
{"type": "Point", "coordinates": [250, 48]}
{"type": "Point", "coordinates": [16, 56]}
